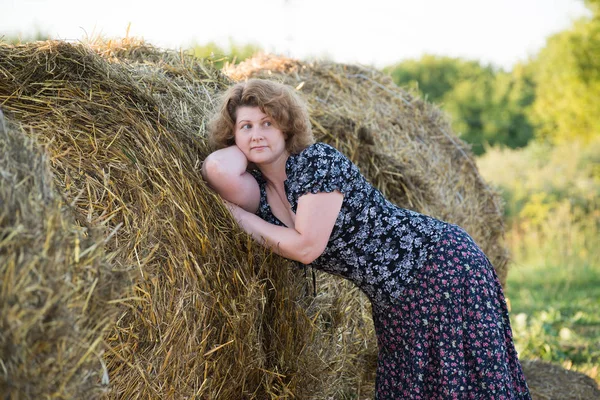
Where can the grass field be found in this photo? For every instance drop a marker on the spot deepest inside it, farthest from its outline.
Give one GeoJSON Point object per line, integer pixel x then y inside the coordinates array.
{"type": "Point", "coordinates": [552, 198]}
{"type": "Point", "coordinates": [555, 314]}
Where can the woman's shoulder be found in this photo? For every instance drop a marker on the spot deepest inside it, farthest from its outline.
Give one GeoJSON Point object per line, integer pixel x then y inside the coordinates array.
{"type": "Point", "coordinates": [316, 155]}
{"type": "Point", "coordinates": [321, 167]}
{"type": "Point", "coordinates": [320, 146]}
{"type": "Point", "coordinates": [319, 150]}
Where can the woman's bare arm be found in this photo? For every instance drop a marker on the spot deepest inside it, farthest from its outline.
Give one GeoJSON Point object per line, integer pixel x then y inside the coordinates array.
{"type": "Point", "coordinates": [315, 218]}
{"type": "Point", "coordinates": [225, 172]}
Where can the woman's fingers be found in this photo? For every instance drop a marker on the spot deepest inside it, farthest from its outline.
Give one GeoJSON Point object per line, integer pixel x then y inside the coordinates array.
{"type": "Point", "coordinates": [230, 206]}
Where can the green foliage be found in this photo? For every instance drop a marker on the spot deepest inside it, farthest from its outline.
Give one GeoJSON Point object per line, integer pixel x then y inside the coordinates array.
{"type": "Point", "coordinates": [490, 109]}
{"type": "Point", "coordinates": [220, 56]}
{"type": "Point", "coordinates": [537, 180]}
{"type": "Point", "coordinates": [553, 313]}
{"type": "Point", "coordinates": [594, 6]}
{"type": "Point", "coordinates": [486, 106]}
{"type": "Point", "coordinates": [433, 76]}
{"type": "Point", "coordinates": [554, 97]}
{"type": "Point", "coordinates": [18, 39]}
{"type": "Point", "coordinates": [553, 223]}
{"type": "Point", "coordinates": [568, 83]}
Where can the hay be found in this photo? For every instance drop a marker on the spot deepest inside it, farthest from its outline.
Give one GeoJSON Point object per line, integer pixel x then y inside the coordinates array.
{"type": "Point", "coordinates": [402, 144]}
{"type": "Point", "coordinates": [211, 314]}
{"type": "Point", "coordinates": [55, 284]}
{"type": "Point", "coordinates": [551, 382]}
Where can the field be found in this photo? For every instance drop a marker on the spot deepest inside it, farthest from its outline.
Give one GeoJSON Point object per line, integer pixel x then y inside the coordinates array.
{"type": "Point", "coordinates": [554, 314]}
{"type": "Point", "coordinates": [553, 285]}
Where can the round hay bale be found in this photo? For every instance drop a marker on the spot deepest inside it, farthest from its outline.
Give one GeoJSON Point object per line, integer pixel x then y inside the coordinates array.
{"type": "Point", "coordinates": [55, 284]}
{"type": "Point", "coordinates": [551, 382]}
{"type": "Point", "coordinates": [403, 145]}
{"type": "Point", "coordinates": [211, 314]}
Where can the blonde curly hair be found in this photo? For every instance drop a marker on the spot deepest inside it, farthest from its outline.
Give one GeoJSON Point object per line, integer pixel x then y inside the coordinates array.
{"type": "Point", "coordinates": [278, 101]}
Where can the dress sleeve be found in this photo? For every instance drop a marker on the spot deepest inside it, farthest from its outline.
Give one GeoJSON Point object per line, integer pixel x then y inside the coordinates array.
{"type": "Point", "coordinates": [322, 168]}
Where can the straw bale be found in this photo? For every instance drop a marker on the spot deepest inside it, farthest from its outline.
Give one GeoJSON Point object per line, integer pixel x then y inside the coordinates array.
{"type": "Point", "coordinates": [551, 382]}
{"type": "Point", "coordinates": [55, 283]}
{"type": "Point", "coordinates": [211, 314]}
{"type": "Point", "coordinates": [403, 145]}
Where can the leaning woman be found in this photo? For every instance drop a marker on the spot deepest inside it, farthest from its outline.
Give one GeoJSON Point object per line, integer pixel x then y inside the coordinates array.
{"type": "Point", "coordinates": [439, 311]}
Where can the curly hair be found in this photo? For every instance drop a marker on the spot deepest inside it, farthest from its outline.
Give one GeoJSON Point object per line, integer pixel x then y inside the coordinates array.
{"type": "Point", "coordinates": [278, 101]}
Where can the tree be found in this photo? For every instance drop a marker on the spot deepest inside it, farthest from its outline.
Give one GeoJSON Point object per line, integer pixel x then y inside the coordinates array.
{"type": "Point", "coordinates": [486, 106]}
{"type": "Point", "coordinates": [490, 109]}
{"type": "Point", "coordinates": [567, 104]}
{"type": "Point", "coordinates": [594, 6]}
{"type": "Point", "coordinates": [220, 56]}
{"type": "Point", "coordinates": [19, 38]}
{"type": "Point", "coordinates": [433, 76]}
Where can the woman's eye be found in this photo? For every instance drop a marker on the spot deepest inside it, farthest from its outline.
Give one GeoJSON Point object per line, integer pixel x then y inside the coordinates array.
{"type": "Point", "coordinates": [268, 123]}
{"type": "Point", "coordinates": [246, 126]}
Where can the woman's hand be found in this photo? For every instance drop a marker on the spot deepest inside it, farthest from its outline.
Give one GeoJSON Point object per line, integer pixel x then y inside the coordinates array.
{"type": "Point", "coordinates": [225, 171]}
{"type": "Point", "coordinates": [237, 212]}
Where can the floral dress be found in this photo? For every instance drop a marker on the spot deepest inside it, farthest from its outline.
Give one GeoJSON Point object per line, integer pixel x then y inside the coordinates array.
{"type": "Point", "coordinates": [438, 308]}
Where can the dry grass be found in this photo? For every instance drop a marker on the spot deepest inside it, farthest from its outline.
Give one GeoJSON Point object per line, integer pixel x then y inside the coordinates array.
{"type": "Point", "coordinates": [210, 314]}
{"type": "Point", "coordinates": [201, 310]}
{"type": "Point", "coordinates": [56, 283]}
{"type": "Point", "coordinates": [551, 382]}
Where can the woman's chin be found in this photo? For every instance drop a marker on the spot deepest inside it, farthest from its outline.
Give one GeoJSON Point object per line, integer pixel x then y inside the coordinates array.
{"type": "Point", "coordinates": [257, 160]}
{"type": "Point", "coordinates": [259, 157]}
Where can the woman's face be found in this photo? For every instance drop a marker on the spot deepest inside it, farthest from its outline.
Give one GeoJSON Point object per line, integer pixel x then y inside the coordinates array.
{"type": "Point", "coordinates": [257, 136]}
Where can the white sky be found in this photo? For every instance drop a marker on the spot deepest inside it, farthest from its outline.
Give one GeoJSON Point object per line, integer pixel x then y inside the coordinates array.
{"type": "Point", "coordinates": [376, 32]}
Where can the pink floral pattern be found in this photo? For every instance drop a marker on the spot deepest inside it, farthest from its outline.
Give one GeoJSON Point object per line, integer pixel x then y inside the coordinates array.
{"type": "Point", "coordinates": [450, 336]}
{"type": "Point", "coordinates": [439, 311]}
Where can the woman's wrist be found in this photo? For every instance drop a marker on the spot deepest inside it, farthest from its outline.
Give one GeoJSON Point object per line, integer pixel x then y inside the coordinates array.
{"type": "Point", "coordinates": [238, 212]}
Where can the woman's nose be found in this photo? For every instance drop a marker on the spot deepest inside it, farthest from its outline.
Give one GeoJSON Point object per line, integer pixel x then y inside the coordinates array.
{"type": "Point", "coordinates": [256, 134]}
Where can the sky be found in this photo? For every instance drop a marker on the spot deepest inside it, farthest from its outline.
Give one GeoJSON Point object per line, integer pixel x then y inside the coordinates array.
{"type": "Point", "coordinates": [369, 32]}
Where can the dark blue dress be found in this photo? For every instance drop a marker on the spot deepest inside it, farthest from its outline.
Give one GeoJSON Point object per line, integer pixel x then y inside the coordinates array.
{"type": "Point", "coordinates": [438, 308]}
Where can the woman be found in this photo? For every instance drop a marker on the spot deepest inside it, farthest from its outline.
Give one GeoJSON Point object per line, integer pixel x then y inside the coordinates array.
{"type": "Point", "coordinates": [438, 308]}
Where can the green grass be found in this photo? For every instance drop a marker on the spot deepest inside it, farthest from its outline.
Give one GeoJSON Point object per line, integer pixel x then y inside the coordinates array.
{"type": "Point", "coordinates": [555, 313]}
{"type": "Point", "coordinates": [552, 210]}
